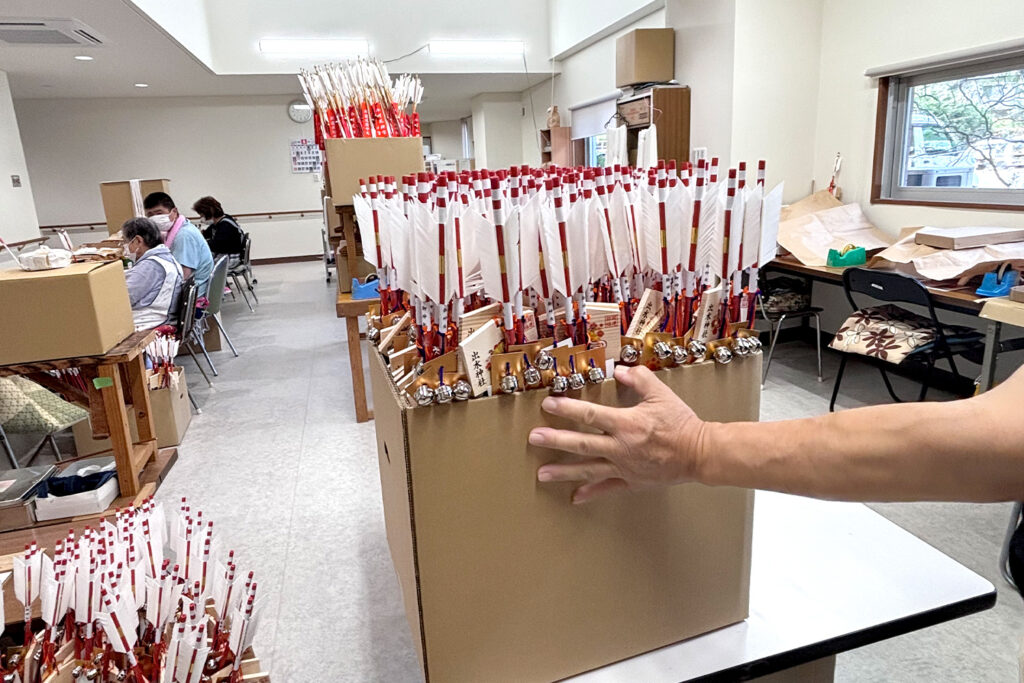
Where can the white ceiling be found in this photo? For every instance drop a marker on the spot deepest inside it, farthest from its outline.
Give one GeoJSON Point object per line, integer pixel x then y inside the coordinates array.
{"type": "Point", "coordinates": [136, 50]}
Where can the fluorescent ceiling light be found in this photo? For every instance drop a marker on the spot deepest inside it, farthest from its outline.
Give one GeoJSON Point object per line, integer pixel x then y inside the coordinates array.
{"type": "Point", "coordinates": [142, 85]}
{"type": "Point", "coordinates": [327, 47]}
{"type": "Point", "coordinates": [83, 58]}
{"type": "Point", "coordinates": [478, 48]}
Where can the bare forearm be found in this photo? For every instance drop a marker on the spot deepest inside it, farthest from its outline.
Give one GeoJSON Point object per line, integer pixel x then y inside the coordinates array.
{"type": "Point", "coordinates": [962, 450]}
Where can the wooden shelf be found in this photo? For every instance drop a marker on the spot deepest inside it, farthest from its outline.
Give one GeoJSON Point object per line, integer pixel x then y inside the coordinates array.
{"type": "Point", "coordinates": [668, 106]}
{"type": "Point", "coordinates": [556, 146]}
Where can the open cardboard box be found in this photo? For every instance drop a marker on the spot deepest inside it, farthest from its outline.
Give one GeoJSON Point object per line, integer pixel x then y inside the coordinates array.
{"type": "Point", "coordinates": [504, 579]}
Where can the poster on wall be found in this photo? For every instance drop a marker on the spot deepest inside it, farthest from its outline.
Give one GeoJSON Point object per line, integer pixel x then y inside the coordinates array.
{"type": "Point", "coordinates": [305, 156]}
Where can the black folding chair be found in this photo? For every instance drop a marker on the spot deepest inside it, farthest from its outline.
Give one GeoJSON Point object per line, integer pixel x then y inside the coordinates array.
{"type": "Point", "coordinates": [898, 288]}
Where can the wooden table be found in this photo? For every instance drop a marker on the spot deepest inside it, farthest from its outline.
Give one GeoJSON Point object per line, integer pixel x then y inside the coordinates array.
{"type": "Point", "coordinates": [111, 378]}
{"type": "Point", "coordinates": [351, 310]}
{"type": "Point", "coordinates": [964, 301]}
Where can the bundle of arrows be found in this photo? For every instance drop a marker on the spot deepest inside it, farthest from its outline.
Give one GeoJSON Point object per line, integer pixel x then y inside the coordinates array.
{"type": "Point", "coordinates": [594, 256]}
{"type": "Point", "coordinates": [358, 99]}
{"type": "Point", "coordinates": [148, 596]}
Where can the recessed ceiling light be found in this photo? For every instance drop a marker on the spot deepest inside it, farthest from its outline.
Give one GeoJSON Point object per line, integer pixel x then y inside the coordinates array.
{"type": "Point", "coordinates": [83, 58]}
{"type": "Point", "coordinates": [327, 47]}
{"type": "Point", "coordinates": [490, 48]}
{"type": "Point", "coordinates": [142, 85]}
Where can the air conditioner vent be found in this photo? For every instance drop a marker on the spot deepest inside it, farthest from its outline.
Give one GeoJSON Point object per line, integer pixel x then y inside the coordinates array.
{"type": "Point", "coordinates": [21, 32]}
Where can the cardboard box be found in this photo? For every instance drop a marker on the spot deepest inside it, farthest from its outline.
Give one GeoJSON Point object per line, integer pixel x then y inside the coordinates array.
{"type": "Point", "coordinates": [502, 576]}
{"type": "Point", "coordinates": [81, 310]}
{"type": "Point", "coordinates": [341, 263]}
{"type": "Point", "coordinates": [172, 411]}
{"type": "Point", "coordinates": [355, 158]}
{"type": "Point", "coordinates": [117, 199]}
{"type": "Point", "coordinates": [645, 55]}
{"type": "Point", "coordinates": [86, 444]}
{"type": "Point", "coordinates": [211, 338]}
{"type": "Point", "coordinates": [172, 414]}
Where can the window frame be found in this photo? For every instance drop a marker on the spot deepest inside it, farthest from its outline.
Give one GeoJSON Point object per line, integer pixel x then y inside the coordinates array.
{"type": "Point", "coordinates": [890, 135]}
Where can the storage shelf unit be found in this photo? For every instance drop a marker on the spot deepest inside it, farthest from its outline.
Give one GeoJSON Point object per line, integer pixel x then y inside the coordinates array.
{"type": "Point", "coordinates": [668, 106]}
{"type": "Point", "coordinates": [556, 146]}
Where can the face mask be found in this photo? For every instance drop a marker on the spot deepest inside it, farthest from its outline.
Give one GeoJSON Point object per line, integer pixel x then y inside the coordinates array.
{"type": "Point", "coordinates": [163, 221]}
{"type": "Point", "coordinates": [205, 222]}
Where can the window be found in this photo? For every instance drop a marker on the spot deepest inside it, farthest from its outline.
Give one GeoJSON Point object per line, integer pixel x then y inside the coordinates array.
{"type": "Point", "coordinates": [597, 149]}
{"type": "Point", "coordinates": [952, 137]}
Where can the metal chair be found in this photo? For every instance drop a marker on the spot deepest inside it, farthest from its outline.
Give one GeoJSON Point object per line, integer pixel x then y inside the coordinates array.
{"type": "Point", "coordinates": [775, 320]}
{"type": "Point", "coordinates": [898, 288]}
{"type": "Point", "coordinates": [244, 268]}
{"type": "Point", "coordinates": [47, 414]}
{"type": "Point", "coordinates": [186, 328]}
{"type": "Point", "coordinates": [216, 297]}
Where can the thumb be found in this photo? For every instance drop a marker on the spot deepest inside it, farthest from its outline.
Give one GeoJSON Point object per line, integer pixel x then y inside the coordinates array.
{"type": "Point", "coordinates": [640, 379]}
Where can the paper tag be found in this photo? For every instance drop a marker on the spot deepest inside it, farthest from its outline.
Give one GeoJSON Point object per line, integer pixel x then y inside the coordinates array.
{"type": "Point", "coordinates": [475, 353]}
{"type": "Point", "coordinates": [707, 314]}
{"type": "Point", "coordinates": [648, 314]}
{"type": "Point", "coordinates": [103, 382]}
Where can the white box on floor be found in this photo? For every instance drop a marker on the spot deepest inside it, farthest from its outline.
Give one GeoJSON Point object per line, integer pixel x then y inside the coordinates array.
{"type": "Point", "coordinates": [84, 503]}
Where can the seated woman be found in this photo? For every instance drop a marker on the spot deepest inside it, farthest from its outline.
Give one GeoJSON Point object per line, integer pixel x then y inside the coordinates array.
{"type": "Point", "coordinates": [155, 279]}
{"type": "Point", "coordinates": [221, 231]}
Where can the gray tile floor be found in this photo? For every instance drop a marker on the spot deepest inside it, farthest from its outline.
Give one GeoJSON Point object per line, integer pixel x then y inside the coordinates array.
{"type": "Point", "coordinates": [278, 461]}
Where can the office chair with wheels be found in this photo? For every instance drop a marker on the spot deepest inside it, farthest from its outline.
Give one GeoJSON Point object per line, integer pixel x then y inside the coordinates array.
{"type": "Point", "coordinates": [892, 335]}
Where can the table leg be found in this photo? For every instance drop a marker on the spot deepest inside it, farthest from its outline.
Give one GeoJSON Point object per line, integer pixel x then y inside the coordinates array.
{"type": "Point", "coordinates": [988, 364]}
{"type": "Point", "coordinates": [97, 411]}
{"type": "Point", "coordinates": [138, 385]}
{"type": "Point", "coordinates": [355, 360]}
{"type": "Point", "coordinates": [117, 421]}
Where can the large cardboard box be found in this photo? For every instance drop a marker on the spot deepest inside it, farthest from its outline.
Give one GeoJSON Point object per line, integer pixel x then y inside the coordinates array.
{"type": "Point", "coordinates": [504, 579]}
{"type": "Point", "coordinates": [645, 55]}
{"type": "Point", "coordinates": [117, 199]}
{"type": "Point", "coordinates": [87, 444]}
{"type": "Point", "coordinates": [351, 159]}
{"type": "Point", "coordinates": [81, 310]}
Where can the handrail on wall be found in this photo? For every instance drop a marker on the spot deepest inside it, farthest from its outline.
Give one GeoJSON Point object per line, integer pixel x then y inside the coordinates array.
{"type": "Point", "coordinates": [264, 215]}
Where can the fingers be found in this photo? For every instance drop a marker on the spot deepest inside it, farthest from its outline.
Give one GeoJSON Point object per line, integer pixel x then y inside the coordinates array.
{"type": "Point", "coordinates": [597, 445]}
{"type": "Point", "coordinates": [593, 470]}
{"type": "Point", "coordinates": [604, 418]}
{"type": "Point", "coordinates": [589, 492]}
{"type": "Point", "coordinates": [639, 378]}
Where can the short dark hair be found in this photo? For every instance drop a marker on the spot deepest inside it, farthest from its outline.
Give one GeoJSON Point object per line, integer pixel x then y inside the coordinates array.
{"type": "Point", "coordinates": [155, 199]}
{"type": "Point", "coordinates": [208, 207]}
{"type": "Point", "coordinates": [144, 228]}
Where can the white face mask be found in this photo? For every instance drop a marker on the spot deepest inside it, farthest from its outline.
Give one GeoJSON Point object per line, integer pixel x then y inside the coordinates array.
{"type": "Point", "coordinates": [163, 221]}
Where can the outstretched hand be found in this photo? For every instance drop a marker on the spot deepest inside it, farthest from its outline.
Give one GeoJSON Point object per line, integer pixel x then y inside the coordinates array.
{"type": "Point", "coordinates": [657, 442]}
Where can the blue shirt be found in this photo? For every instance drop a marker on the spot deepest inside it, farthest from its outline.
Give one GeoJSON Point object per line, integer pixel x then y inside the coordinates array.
{"type": "Point", "coordinates": [191, 251]}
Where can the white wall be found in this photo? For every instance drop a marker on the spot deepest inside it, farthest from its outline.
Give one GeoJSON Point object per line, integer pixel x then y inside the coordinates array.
{"type": "Point", "coordinates": [705, 38]}
{"type": "Point", "coordinates": [585, 75]}
{"type": "Point", "coordinates": [868, 33]}
{"type": "Point", "coordinates": [446, 138]}
{"type": "Point", "coordinates": [576, 23]}
{"type": "Point", "coordinates": [18, 219]}
{"type": "Point", "coordinates": [234, 148]}
{"type": "Point", "coordinates": [496, 119]}
{"type": "Point", "coordinates": [775, 89]}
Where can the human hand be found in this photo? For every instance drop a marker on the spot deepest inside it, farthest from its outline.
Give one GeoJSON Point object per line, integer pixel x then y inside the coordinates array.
{"type": "Point", "coordinates": [656, 442]}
